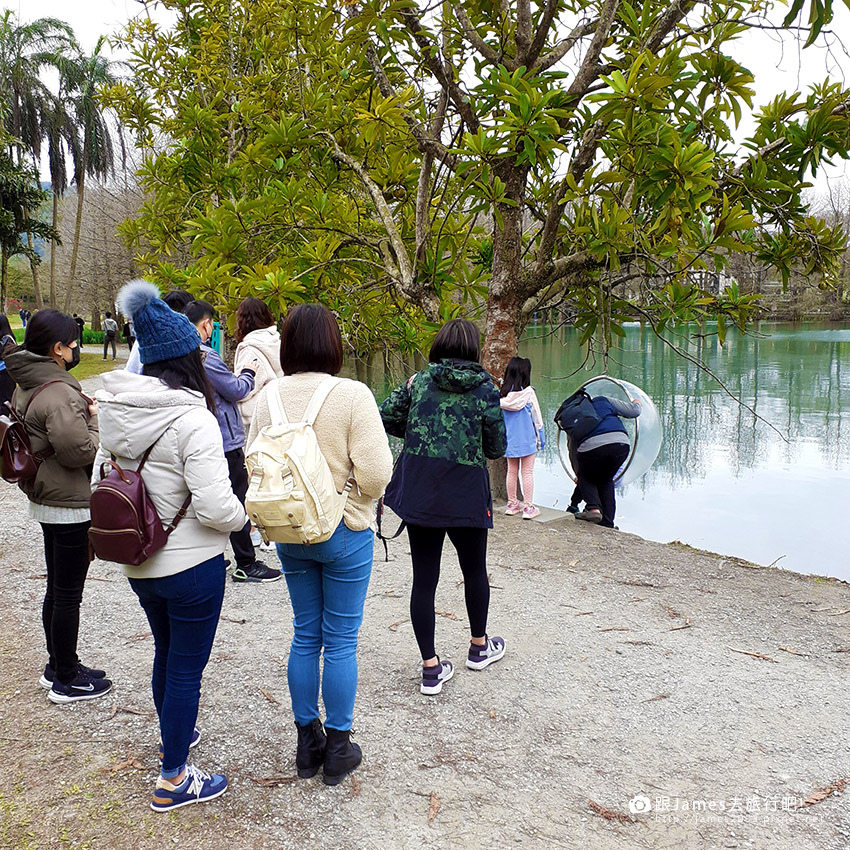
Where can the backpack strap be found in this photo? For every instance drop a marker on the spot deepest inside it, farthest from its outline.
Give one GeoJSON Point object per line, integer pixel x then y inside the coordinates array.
{"type": "Point", "coordinates": [319, 398]}
{"type": "Point", "coordinates": [276, 409]}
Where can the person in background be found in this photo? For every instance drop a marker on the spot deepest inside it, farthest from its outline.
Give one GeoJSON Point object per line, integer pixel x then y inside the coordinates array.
{"type": "Point", "coordinates": [599, 455]}
{"type": "Point", "coordinates": [81, 322]}
{"type": "Point", "coordinates": [328, 581]}
{"type": "Point", "coordinates": [62, 426]}
{"type": "Point", "coordinates": [257, 339]}
{"type": "Point", "coordinates": [128, 334]}
{"type": "Point", "coordinates": [24, 316]}
{"type": "Point", "coordinates": [168, 410]}
{"type": "Point", "coordinates": [229, 389]}
{"type": "Point", "coordinates": [524, 427]}
{"type": "Point", "coordinates": [110, 334]}
{"type": "Point", "coordinates": [7, 385]}
{"type": "Point", "coordinates": [177, 300]}
{"type": "Point", "coordinates": [450, 419]}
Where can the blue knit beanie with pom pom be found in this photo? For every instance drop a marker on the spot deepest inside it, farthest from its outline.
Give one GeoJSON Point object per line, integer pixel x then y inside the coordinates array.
{"type": "Point", "coordinates": [161, 334]}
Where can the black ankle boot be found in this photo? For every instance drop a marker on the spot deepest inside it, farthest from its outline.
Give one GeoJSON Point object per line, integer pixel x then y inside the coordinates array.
{"type": "Point", "coordinates": [341, 756]}
{"type": "Point", "coordinates": [311, 748]}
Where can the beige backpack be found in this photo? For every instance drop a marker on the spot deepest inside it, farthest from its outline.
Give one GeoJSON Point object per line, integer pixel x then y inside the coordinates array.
{"type": "Point", "coordinates": [291, 493]}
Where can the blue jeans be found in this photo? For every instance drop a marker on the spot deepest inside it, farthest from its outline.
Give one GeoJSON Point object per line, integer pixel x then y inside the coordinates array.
{"type": "Point", "coordinates": [327, 585]}
{"type": "Point", "coordinates": [183, 612]}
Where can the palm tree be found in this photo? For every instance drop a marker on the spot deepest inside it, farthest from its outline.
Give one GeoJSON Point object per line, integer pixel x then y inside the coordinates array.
{"type": "Point", "coordinates": [84, 78]}
{"type": "Point", "coordinates": [25, 50]}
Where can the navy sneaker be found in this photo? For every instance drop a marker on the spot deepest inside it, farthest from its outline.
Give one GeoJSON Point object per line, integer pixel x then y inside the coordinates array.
{"type": "Point", "coordinates": [197, 787]}
{"type": "Point", "coordinates": [483, 656]}
{"type": "Point", "coordinates": [82, 687]}
{"type": "Point", "coordinates": [49, 675]}
{"type": "Point", "coordinates": [256, 572]}
{"type": "Point", "coordinates": [434, 677]}
{"type": "Point", "coordinates": [196, 739]}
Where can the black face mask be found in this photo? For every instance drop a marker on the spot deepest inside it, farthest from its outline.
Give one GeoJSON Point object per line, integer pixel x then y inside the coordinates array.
{"type": "Point", "coordinates": [75, 358]}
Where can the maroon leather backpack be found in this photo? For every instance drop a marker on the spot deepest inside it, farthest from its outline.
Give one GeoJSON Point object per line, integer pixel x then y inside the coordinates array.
{"type": "Point", "coordinates": [18, 462]}
{"type": "Point", "coordinates": [125, 525]}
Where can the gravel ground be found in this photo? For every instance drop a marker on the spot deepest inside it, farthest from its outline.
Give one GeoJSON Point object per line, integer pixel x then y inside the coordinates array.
{"type": "Point", "coordinates": [627, 673]}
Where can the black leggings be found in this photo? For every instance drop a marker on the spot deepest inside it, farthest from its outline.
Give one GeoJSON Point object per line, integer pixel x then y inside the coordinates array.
{"type": "Point", "coordinates": [426, 549]}
{"type": "Point", "coordinates": [66, 551]}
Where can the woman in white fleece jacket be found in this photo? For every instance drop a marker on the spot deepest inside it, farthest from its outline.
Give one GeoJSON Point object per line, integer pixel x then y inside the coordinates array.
{"type": "Point", "coordinates": [181, 587]}
{"type": "Point", "coordinates": [258, 340]}
{"type": "Point", "coordinates": [524, 428]}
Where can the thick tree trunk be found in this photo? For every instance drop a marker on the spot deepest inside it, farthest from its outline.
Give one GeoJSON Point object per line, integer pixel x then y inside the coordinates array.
{"type": "Point", "coordinates": [34, 269]}
{"type": "Point", "coordinates": [72, 271]}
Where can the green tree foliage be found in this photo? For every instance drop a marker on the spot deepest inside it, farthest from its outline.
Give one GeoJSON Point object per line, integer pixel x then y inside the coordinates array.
{"type": "Point", "coordinates": [19, 194]}
{"type": "Point", "coordinates": [479, 155]}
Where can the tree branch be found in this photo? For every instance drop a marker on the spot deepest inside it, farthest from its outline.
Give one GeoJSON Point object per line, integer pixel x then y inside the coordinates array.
{"type": "Point", "coordinates": [523, 31]}
{"type": "Point", "coordinates": [429, 53]}
{"type": "Point", "coordinates": [542, 31]}
{"type": "Point", "coordinates": [588, 71]}
{"type": "Point", "coordinates": [561, 50]}
{"type": "Point", "coordinates": [492, 56]}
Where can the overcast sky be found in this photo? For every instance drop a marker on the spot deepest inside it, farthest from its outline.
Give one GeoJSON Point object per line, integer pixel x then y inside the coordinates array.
{"type": "Point", "coordinates": [777, 63]}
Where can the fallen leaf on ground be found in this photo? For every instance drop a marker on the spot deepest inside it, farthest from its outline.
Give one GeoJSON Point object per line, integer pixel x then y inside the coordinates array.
{"type": "Point", "coordinates": [821, 794]}
{"type": "Point", "coordinates": [137, 637]}
{"type": "Point", "coordinates": [434, 807]}
{"type": "Point", "coordinates": [671, 612]}
{"type": "Point", "coordinates": [394, 626]}
{"type": "Point", "coordinates": [791, 651]}
{"type": "Point", "coordinates": [574, 563]}
{"type": "Point", "coordinates": [129, 761]}
{"type": "Point", "coordinates": [446, 614]}
{"type": "Point", "coordinates": [355, 786]}
{"type": "Point", "coordinates": [616, 629]}
{"type": "Point", "coordinates": [608, 814]}
{"type": "Point", "coordinates": [638, 642]}
{"type": "Point", "coordinates": [658, 697]}
{"type": "Point", "coordinates": [685, 625]}
{"type": "Point", "coordinates": [269, 697]}
{"type": "Point", "coordinates": [492, 715]}
{"type": "Point", "coordinates": [232, 620]}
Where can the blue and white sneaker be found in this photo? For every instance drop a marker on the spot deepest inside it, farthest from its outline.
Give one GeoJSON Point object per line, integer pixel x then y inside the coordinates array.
{"type": "Point", "coordinates": [83, 686]}
{"type": "Point", "coordinates": [434, 677]}
{"type": "Point", "coordinates": [196, 739]}
{"type": "Point", "coordinates": [196, 787]}
{"type": "Point", "coordinates": [483, 656]}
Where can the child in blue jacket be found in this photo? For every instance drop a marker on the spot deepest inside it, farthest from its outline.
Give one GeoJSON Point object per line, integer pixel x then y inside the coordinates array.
{"type": "Point", "coordinates": [524, 426]}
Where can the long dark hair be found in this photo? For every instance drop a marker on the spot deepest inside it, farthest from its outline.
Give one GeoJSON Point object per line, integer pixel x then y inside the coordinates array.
{"type": "Point", "coordinates": [517, 375]}
{"type": "Point", "coordinates": [5, 327]}
{"type": "Point", "coordinates": [46, 328]}
{"type": "Point", "coordinates": [252, 314]}
{"type": "Point", "coordinates": [457, 339]}
{"type": "Point", "coordinates": [184, 373]}
{"type": "Point", "coordinates": [310, 341]}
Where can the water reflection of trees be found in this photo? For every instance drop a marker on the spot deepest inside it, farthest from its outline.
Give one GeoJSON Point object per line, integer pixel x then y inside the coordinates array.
{"type": "Point", "coordinates": [794, 379]}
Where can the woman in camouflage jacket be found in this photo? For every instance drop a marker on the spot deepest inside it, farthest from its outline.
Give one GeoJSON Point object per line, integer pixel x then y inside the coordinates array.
{"type": "Point", "coordinates": [451, 421]}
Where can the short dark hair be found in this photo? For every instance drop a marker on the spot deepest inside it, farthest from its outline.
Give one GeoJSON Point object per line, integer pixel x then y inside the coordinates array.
{"type": "Point", "coordinates": [310, 341]}
{"type": "Point", "coordinates": [177, 299]}
{"type": "Point", "coordinates": [457, 339]}
{"type": "Point", "coordinates": [197, 311]}
{"type": "Point", "coordinates": [253, 313]}
{"type": "Point", "coordinates": [108, 314]}
{"type": "Point", "coordinates": [46, 328]}
{"type": "Point", "coordinates": [517, 375]}
{"type": "Point", "coordinates": [184, 372]}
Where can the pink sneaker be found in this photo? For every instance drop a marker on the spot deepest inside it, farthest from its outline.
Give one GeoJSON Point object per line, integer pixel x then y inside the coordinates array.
{"type": "Point", "coordinates": [513, 508]}
{"type": "Point", "coordinates": [530, 512]}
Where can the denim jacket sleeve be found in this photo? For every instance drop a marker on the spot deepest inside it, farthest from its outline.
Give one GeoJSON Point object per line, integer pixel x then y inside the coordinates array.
{"type": "Point", "coordinates": [230, 387]}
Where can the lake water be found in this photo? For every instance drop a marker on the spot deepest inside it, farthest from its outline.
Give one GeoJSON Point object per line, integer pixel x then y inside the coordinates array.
{"type": "Point", "coordinates": [725, 481]}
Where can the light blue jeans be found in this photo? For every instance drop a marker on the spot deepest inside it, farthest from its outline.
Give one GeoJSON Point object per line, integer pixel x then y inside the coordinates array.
{"type": "Point", "coordinates": [327, 585]}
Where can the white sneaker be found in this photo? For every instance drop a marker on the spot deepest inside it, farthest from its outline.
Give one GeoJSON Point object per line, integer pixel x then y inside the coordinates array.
{"type": "Point", "coordinates": [433, 677]}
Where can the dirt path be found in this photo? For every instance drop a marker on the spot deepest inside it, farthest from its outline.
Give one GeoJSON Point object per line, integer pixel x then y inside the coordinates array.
{"type": "Point", "coordinates": [621, 678]}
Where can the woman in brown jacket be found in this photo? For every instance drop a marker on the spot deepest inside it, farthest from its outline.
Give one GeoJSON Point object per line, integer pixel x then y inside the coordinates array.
{"type": "Point", "coordinates": [62, 426]}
